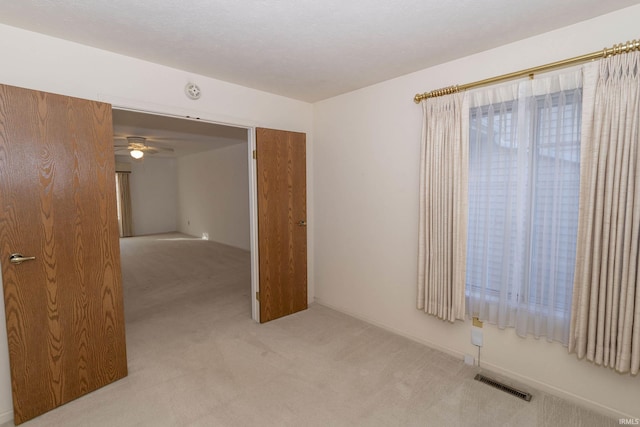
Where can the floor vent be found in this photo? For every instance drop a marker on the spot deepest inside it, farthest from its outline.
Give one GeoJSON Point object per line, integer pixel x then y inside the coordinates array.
{"type": "Point", "coordinates": [507, 389]}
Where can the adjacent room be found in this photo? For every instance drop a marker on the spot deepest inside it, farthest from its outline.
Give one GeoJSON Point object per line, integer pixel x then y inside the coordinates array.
{"type": "Point", "coordinates": [183, 211]}
{"type": "Point", "coordinates": [431, 290]}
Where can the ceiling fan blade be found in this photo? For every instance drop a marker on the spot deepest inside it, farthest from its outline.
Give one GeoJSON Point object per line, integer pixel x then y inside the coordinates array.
{"type": "Point", "coordinates": [157, 148]}
{"type": "Point", "coordinates": [128, 143]}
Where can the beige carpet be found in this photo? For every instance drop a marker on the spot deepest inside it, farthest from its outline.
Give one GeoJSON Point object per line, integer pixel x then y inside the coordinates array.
{"type": "Point", "coordinates": [197, 359]}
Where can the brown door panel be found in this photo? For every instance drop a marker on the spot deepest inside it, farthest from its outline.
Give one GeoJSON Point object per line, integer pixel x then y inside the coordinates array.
{"type": "Point", "coordinates": [282, 216]}
{"type": "Point", "coordinates": [64, 309]}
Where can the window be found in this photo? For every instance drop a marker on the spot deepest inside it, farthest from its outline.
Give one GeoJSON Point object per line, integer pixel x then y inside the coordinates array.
{"type": "Point", "coordinates": [524, 173]}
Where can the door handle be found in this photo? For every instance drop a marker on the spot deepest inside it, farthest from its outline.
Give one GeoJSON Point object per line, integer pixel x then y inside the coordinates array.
{"type": "Point", "coordinates": [302, 223]}
{"type": "Point", "coordinates": [19, 258]}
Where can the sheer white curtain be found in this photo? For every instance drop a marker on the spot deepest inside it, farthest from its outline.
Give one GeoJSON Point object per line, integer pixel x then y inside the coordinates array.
{"type": "Point", "coordinates": [443, 207]}
{"type": "Point", "coordinates": [523, 203]}
{"type": "Point", "coordinates": [605, 324]}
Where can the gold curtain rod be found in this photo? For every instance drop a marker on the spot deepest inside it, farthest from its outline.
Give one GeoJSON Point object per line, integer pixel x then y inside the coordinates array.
{"type": "Point", "coordinates": [604, 53]}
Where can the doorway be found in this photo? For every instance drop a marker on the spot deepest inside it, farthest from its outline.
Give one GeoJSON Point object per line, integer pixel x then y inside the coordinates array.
{"type": "Point", "coordinates": [99, 171]}
{"type": "Point", "coordinates": [196, 179]}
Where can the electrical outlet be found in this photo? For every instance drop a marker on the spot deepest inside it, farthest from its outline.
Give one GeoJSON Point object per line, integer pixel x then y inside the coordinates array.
{"type": "Point", "coordinates": [469, 360]}
{"type": "Point", "coordinates": [476, 336]}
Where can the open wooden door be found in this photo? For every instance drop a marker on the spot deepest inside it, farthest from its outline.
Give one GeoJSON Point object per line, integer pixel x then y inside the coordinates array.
{"type": "Point", "coordinates": [282, 222]}
{"type": "Point", "coordinates": [62, 287]}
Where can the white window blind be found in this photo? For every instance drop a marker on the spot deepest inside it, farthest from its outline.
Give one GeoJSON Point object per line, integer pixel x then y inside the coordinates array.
{"type": "Point", "coordinates": [523, 204]}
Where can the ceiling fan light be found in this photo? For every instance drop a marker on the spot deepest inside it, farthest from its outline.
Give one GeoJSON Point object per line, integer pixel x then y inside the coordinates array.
{"type": "Point", "coordinates": [136, 154]}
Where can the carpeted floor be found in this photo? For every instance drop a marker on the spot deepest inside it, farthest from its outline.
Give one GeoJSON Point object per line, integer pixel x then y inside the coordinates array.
{"type": "Point", "coordinates": [197, 359]}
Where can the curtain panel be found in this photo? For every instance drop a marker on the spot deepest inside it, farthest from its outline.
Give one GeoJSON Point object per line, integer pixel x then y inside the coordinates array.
{"type": "Point", "coordinates": [123, 194]}
{"type": "Point", "coordinates": [443, 207]}
{"type": "Point", "coordinates": [524, 177]}
{"type": "Point", "coordinates": [605, 321]}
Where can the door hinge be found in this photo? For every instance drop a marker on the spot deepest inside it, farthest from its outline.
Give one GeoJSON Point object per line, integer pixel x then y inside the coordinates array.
{"type": "Point", "coordinates": [258, 296]}
{"type": "Point", "coordinates": [255, 155]}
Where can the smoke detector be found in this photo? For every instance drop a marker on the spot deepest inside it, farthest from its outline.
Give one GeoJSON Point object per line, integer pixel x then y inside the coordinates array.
{"type": "Point", "coordinates": [193, 91]}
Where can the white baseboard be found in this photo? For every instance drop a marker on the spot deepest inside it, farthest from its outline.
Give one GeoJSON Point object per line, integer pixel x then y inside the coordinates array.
{"type": "Point", "coordinates": [532, 382]}
{"type": "Point", "coordinates": [5, 417]}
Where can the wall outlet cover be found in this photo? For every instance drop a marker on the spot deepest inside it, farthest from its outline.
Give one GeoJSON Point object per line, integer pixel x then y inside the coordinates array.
{"type": "Point", "coordinates": [469, 360]}
{"type": "Point", "coordinates": [476, 336]}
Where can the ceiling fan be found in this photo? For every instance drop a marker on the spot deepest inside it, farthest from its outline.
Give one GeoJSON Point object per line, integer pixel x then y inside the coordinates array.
{"type": "Point", "coordinates": [137, 147]}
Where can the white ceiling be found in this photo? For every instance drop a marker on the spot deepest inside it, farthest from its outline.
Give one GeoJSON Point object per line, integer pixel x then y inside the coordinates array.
{"type": "Point", "coordinates": [304, 49]}
{"type": "Point", "coordinates": [184, 136]}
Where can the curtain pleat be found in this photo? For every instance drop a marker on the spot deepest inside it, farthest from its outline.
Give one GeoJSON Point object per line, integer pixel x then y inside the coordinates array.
{"type": "Point", "coordinates": [124, 204]}
{"type": "Point", "coordinates": [443, 207]}
{"type": "Point", "coordinates": [605, 321]}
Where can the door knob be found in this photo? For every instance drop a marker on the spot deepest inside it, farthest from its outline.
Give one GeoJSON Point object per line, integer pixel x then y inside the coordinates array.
{"type": "Point", "coordinates": [302, 223]}
{"type": "Point", "coordinates": [19, 258]}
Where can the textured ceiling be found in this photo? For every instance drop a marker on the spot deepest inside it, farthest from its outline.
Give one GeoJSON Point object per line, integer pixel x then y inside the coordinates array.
{"type": "Point", "coordinates": [304, 49]}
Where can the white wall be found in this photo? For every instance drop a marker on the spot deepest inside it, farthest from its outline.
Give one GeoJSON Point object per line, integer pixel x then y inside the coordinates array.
{"type": "Point", "coordinates": [154, 194]}
{"type": "Point", "coordinates": [366, 166]}
{"type": "Point", "coordinates": [45, 63]}
{"type": "Point", "coordinates": [213, 192]}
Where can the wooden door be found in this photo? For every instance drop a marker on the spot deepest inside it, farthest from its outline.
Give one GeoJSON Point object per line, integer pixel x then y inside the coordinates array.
{"type": "Point", "coordinates": [282, 222]}
{"type": "Point", "coordinates": [64, 309]}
